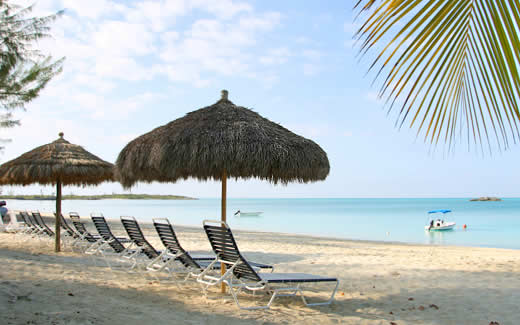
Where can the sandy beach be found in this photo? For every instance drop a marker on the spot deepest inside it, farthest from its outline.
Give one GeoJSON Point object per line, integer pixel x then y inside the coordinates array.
{"type": "Point", "coordinates": [381, 283]}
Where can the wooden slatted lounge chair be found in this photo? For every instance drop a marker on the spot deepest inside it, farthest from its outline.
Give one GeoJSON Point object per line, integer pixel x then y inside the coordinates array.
{"type": "Point", "coordinates": [89, 241]}
{"type": "Point", "coordinates": [33, 229]}
{"type": "Point", "coordinates": [39, 220]}
{"type": "Point", "coordinates": [30, 229]}
{"type": "Point", "coordinates": [65, 226]}
{"type": "Point", "coordinates": [112, 246]}
{"type": "Point", "coordinates": [189, 265]}
{"type": "Point", "coordinates": [240, 275]}
{"type": "Point", "coordinates": [71, 237]}
{"type": "Point", "coordinates": [136, 235]}
{"type": "Point", "coordinates": [157, 260]}
{"type": "Point", "coordinates": [39, 230]}
{"type": "Point", "coordinates": [193, 265]}
{"type": "Point", "coordinates": [82, 230]}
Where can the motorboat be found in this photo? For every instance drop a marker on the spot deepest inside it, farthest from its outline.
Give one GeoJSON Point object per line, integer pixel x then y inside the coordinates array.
{"type": "Point", "coordinates": [439, 224]}
{"type": "Point", "coordinates": [248, 214]}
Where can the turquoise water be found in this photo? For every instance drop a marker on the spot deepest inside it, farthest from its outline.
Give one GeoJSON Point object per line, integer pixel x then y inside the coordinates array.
{"type": "Point", "coordinates": [490, 224]}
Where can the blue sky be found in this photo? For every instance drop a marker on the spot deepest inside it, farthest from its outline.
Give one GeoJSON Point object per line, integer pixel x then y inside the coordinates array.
{"type": "Point", "coordinates": [132, 66]}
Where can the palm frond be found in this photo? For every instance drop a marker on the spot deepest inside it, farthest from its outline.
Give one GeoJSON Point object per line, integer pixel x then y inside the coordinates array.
{"type": "Point", "coordinates": [451, 65]}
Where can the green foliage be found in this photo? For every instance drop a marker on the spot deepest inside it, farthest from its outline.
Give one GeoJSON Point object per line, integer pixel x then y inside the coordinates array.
{"type": "Point", "coordinates": [24, 71]}
{"type": "Point", "coordinates": [451, 65]}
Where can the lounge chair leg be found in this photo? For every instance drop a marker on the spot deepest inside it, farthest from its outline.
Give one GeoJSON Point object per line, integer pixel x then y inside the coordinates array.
{"type": "Point", "coordinates": [328, 302]}
{"type": "Point", "coordinates": [235, 292]}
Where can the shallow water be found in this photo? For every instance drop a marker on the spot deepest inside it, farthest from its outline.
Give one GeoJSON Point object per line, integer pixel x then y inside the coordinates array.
{"type": "Point", "coordinates": [490, 224]}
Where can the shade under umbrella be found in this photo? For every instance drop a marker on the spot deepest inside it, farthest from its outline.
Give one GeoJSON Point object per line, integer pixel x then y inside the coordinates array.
{"type": "Point", "coordinates": [60, 163]}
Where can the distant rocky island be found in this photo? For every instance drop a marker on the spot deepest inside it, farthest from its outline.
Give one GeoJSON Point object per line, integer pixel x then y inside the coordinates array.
{"type": "Point", "coordinates": [487, 198]}
{"type": "Point", "coordinates": [98, 197]}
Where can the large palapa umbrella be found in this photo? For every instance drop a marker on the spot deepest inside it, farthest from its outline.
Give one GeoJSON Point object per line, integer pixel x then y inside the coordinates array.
{"type": "Point", "coordinates": [60, 163]}
{"type": "Point", "coordinates": [220, 141]}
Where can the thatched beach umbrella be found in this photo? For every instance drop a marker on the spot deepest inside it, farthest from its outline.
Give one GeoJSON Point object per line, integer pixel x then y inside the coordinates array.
{"type": "Point", "coordinates": [60, 163]}
{"type": "Point", "coordinates": [220, 141]}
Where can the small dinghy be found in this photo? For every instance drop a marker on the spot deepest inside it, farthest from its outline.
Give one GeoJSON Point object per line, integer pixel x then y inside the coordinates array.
{"type": "Point", "coordinates": [247, 214]}
{"type": "Point", "coordinates": [439, 224]}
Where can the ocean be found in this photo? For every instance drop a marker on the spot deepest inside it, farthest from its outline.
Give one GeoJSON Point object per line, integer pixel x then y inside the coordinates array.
{"type": "Point", "coordinates": [489, 224]}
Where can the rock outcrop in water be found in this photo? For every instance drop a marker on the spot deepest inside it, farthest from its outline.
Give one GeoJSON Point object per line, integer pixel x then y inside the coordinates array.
{"type": "Point", "coordinates": [487, 198]}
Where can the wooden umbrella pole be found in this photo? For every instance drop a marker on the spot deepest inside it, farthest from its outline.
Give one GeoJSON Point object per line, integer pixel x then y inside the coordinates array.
{"type": "Point", "coordinates": [223, 218]}
{"type": "Point", "coordinates": [57, 246]}
{"type": "Point", "coordinates": [224, 194]}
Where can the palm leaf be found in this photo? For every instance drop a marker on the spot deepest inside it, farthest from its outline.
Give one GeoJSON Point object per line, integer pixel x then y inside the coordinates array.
{"type": "Point", "coordinates": [451, 66]}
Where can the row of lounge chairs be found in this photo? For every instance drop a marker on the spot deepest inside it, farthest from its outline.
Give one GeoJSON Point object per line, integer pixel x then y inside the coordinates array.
{"type": "Point", "coordinates": [138, 254]}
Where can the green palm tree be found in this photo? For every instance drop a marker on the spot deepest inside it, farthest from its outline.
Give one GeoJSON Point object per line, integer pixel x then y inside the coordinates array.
{"type": "Point", "coordinates": [451, 66]}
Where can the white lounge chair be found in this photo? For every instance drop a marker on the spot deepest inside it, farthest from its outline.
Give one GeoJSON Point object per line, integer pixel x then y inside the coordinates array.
{"type": "Point", "coordinates": [240, 275]}
{"type": "Point", "coordinates": [110, 246]}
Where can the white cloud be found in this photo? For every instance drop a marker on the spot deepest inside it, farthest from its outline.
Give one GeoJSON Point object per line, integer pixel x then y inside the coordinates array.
{"type": "Point", "coordinates": [122, 38]}
{"type": "Point", "coordinates": [310, 69]}
{"type": "Point", "coordinates": [93, 82]}
{"type": "Point", "coordinates": [123, 68]}
{"type": "Point", "coordinates": [312, 54]}
{"type": "Point", "coordinates": [276, 56]}
{"type": "Point", "coordinates": [169, 37]}
{"type": "Point", "coordinates": [303, 40]}
{"type": "Point", "coordinates": [140, 40]}
{"type": "Point", "coordinates": [122, 109]}
{"type": "Point", "coordinates": [225, 9]}
{"type": "Point", "coordinates": [92, 9]}
{"type": "Point", "coordinates": [215, 46]}
{"type": "Point", "coordinates": [265, 22]}
{"type": "Point", "coordinates": [189, 73]}
{"type": "Point", "coordinates": [109, 46]}
{"type": "Point", "coordinates": [158, 15]}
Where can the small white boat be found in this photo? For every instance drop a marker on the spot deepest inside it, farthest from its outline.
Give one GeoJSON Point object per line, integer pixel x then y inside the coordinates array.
{"type": "Point", "coordinates": [248, 214]}
{"type": "Point", "coordinates": [439, 224]}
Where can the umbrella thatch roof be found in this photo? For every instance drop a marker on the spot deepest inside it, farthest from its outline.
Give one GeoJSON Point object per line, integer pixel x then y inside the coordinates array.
{"type": "Point", "coordinates": [220, 137]}
{"type": "Point", "coordinates": [58, 160]}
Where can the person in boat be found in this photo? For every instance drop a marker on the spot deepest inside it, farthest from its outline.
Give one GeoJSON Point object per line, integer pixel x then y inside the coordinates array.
{"type": "Point", "coordinates": [431, 225]}
{"type": "Point", "coordinates": [438, 222]}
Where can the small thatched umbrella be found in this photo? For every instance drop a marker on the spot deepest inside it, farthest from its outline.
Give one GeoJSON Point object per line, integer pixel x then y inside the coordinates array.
{"type": "Point", "coordinates": [220, 141]}
{"type": "Point", "coordinates": [60, 163]}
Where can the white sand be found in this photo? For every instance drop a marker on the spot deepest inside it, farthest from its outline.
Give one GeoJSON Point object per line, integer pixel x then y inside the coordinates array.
{"type": "Point", "coordinates": [381, 283]}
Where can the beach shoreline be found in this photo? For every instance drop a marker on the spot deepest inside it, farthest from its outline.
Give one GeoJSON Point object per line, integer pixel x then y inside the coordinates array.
{"type": "Point", "coordinates": [379, 283]}
{"type": "Point", "coordinates": [400, 221]}
{"type": "Point", "coordinates": [149, 225]}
